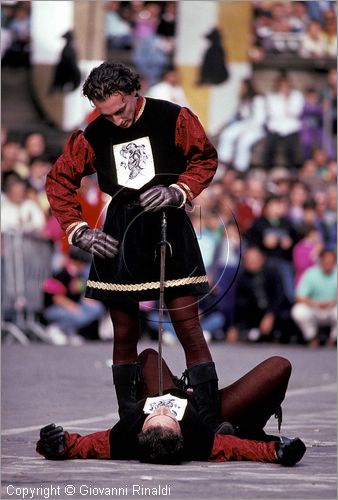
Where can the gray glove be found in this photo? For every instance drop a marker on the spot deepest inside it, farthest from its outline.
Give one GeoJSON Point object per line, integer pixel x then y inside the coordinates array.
{"type": "Point", "coordinates": [158, 197]}
{"type": "Point", "coordinates": [96, 242]}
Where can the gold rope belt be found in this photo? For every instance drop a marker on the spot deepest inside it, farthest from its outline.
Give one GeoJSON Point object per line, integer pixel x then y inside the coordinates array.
{"type": "Point", "coordinates": [153, 285]}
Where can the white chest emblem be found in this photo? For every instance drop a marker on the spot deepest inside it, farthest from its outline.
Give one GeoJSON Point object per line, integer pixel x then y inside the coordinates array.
{"type": "Point", "coordinates": [134, 163]}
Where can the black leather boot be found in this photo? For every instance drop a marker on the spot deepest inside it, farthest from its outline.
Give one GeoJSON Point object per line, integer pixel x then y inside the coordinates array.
{"type": "Point", "coordinates": [204, 382]}
{"type": "Point", "coordinates": [290, 451]}
{"type": "Point", "coordinates": [127, 379]}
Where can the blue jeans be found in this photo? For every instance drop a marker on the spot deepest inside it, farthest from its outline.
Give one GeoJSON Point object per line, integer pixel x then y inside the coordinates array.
{"type": "Point", "coordinates": [70, 321]}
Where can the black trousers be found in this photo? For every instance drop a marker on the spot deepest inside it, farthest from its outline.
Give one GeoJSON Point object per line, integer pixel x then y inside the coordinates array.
{"type": "Point", "coordinates": [289, 145]}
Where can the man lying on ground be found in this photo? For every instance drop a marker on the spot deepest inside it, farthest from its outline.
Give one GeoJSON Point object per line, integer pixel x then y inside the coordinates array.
{"type": "Point", "coordinates": [168, 429]}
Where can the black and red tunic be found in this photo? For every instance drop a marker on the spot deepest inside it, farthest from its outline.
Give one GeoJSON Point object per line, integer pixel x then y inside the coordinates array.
{"type": "Point", "coordinates": [165, 145]}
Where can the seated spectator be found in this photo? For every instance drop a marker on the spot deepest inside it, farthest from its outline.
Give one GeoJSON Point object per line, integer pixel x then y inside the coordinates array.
{"type": "Point", "coordinates": [313, 42]}
{"type": "Point", "coordinates": [168, 89]}
{"type": "Point", "coordinates": [312, 124]}
{"type": "Point", "coordinates": [246, 128]}
{"type": "Point", "coordinates": [35, 145]}
{"type": "Point", "coordinates": [299, 18]}
{"type": "Point", "coordinates": [259, 299]}
{"type": "Point", "coordinates": [284, 108]}
{"type": "Point", "coordinates": [19, 212]}
{"type": "Point", "coordinates": [306, 252]}
{"type": "Point", "coordinates": [316, 300]}
{"type": "Point", "coordinates": [250, 207]}
{"type": "Point", "coordinates": [274, 234]}
{"type": "Point", "coordinates": [326, 218]}
{"type": "Point", "coordinates": [212, 322]}
{"type": "Point", "coordinates": [66, 310]}
{"type": "Point", "coordinates": [226, 262]}
{"type": "Point", "coordinates": [330, 33]}
{"type": "Point", "coordinates": [13, 161]}
{"type": "Point", "coordinates": [207, 225]}
{"type": "Point", "coordinates": [298, 195]}
{"type": "Point", "coordinates": [279, 181]}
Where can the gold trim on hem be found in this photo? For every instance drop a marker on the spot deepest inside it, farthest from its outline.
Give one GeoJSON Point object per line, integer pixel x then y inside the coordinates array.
{"type": "Point", "coordinates": [152, 285]}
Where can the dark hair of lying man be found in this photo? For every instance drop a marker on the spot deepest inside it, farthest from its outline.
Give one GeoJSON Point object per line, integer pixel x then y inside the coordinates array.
{"type": "Point", "coordinates": [159, 445]}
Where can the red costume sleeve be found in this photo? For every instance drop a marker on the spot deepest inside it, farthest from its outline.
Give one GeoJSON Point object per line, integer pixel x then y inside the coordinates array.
{"type": "Point", "coordinates": [200, 153]}
{"type": "Point", "coordinates": [64, 179]}
{"type": "Point", "coordinates": [96, 445]}
{"type": "Point", "coordinates": [228, 448]}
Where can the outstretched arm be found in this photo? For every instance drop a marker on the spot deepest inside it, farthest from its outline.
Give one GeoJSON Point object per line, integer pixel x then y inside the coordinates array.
{"type": "Point", "coordinates": [57, 444]}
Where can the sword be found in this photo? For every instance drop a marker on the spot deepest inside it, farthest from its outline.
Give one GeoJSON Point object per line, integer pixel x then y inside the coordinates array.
{"type": "Point", "coordinates": [163, 246]}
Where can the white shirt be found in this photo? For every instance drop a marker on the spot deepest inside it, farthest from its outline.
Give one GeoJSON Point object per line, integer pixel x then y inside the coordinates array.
{"type": "Point", "coordinates": [167, 92]}
{"type": "Point", "coordinates": [27, 216]}
{"type": "Point", "coordinates": [284, 112]}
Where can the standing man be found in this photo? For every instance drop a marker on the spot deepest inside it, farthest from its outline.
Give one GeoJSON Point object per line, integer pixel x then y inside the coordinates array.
{"type": "Point", "coordinates": [149, 155]}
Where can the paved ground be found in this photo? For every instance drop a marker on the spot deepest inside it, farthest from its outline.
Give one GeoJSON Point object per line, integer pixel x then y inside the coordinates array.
{"type": "Point", "coordinates": [72, 387]}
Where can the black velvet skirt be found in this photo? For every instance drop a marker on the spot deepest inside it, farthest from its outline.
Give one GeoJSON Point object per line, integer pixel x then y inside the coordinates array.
{"type": "Point", "coordinates": [135, 271]}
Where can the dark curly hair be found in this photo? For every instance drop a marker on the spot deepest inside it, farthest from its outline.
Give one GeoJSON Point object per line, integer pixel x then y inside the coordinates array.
{"type": "Point", "coordinates": [109, 78]}
{"type": "Point", "coordinates": [158, 445]}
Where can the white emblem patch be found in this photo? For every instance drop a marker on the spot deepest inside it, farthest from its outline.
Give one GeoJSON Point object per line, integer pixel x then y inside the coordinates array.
{"type": "Point", "coordinates": [134, 163]}
{"type": "Point", "coordinates": [176, 405]}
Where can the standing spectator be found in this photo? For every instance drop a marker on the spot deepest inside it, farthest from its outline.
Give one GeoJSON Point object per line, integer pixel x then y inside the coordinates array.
{"type": "Point", "coordinates": [274, 235]}
{"type": "Point", "coordinates": [312, 124]}
{"type": "Point", "coordinates": [247, 128]}
{"type": "Point", "coordinates": [118, 31]}
{"type": "Point", "coordinates": [329, 97]}
{"type": "Point", "coordinates": [168, 88]}
{"type": "Point", "coordinates": [316, 299]}
{"type": "Point", "coordinates": [306, 251]}
{"type": "Point", "coordinates": [18, 212]}
{"type": "Point", "coordinates": [284, 108]}
{"type": "Point", "coordinates": [19, 28]}
{"type": "Point", "coordinates": [36, 180]}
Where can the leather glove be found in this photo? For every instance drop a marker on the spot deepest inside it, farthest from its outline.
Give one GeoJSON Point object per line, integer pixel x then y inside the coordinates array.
{"type": "Point", "coordinates": [52, 440]}
{"type": "Point", "coordinates": [96, 242]}
{"type": "Point", "coordinates": [158, 197]}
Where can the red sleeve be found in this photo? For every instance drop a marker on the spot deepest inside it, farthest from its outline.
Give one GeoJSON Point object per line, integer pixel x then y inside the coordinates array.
{"type": "Point", "coordinates": [200, 153]}
{"type": "Point", "coordinates": [64, 179]}
{"type": "Point", "coordinates": [95, 445]}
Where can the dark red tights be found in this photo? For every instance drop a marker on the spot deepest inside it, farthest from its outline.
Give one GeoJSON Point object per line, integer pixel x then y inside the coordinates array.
{"type": "Point", "coordinates": [248, 403]}
{"type": "Point", "coordinates": [184, 316]}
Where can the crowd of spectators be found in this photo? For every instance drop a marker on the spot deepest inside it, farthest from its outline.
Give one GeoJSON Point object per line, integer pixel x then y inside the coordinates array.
{"type": "Point", "coordinates": [147, 31]}
{"type": "Point", "coordinates": [307, 29]}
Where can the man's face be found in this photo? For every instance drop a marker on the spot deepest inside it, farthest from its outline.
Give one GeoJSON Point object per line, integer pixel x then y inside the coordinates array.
{"type": "Point", "coordinates": [328, 262]}
{"type": "Point", "coordinates": [162, 417]}
{"type": "Point", "coordinates": [119, 109]}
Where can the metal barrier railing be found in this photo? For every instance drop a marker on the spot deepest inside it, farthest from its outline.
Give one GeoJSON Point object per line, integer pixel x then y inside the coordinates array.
{"type": "Point", "coordinates": [26, 263]}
